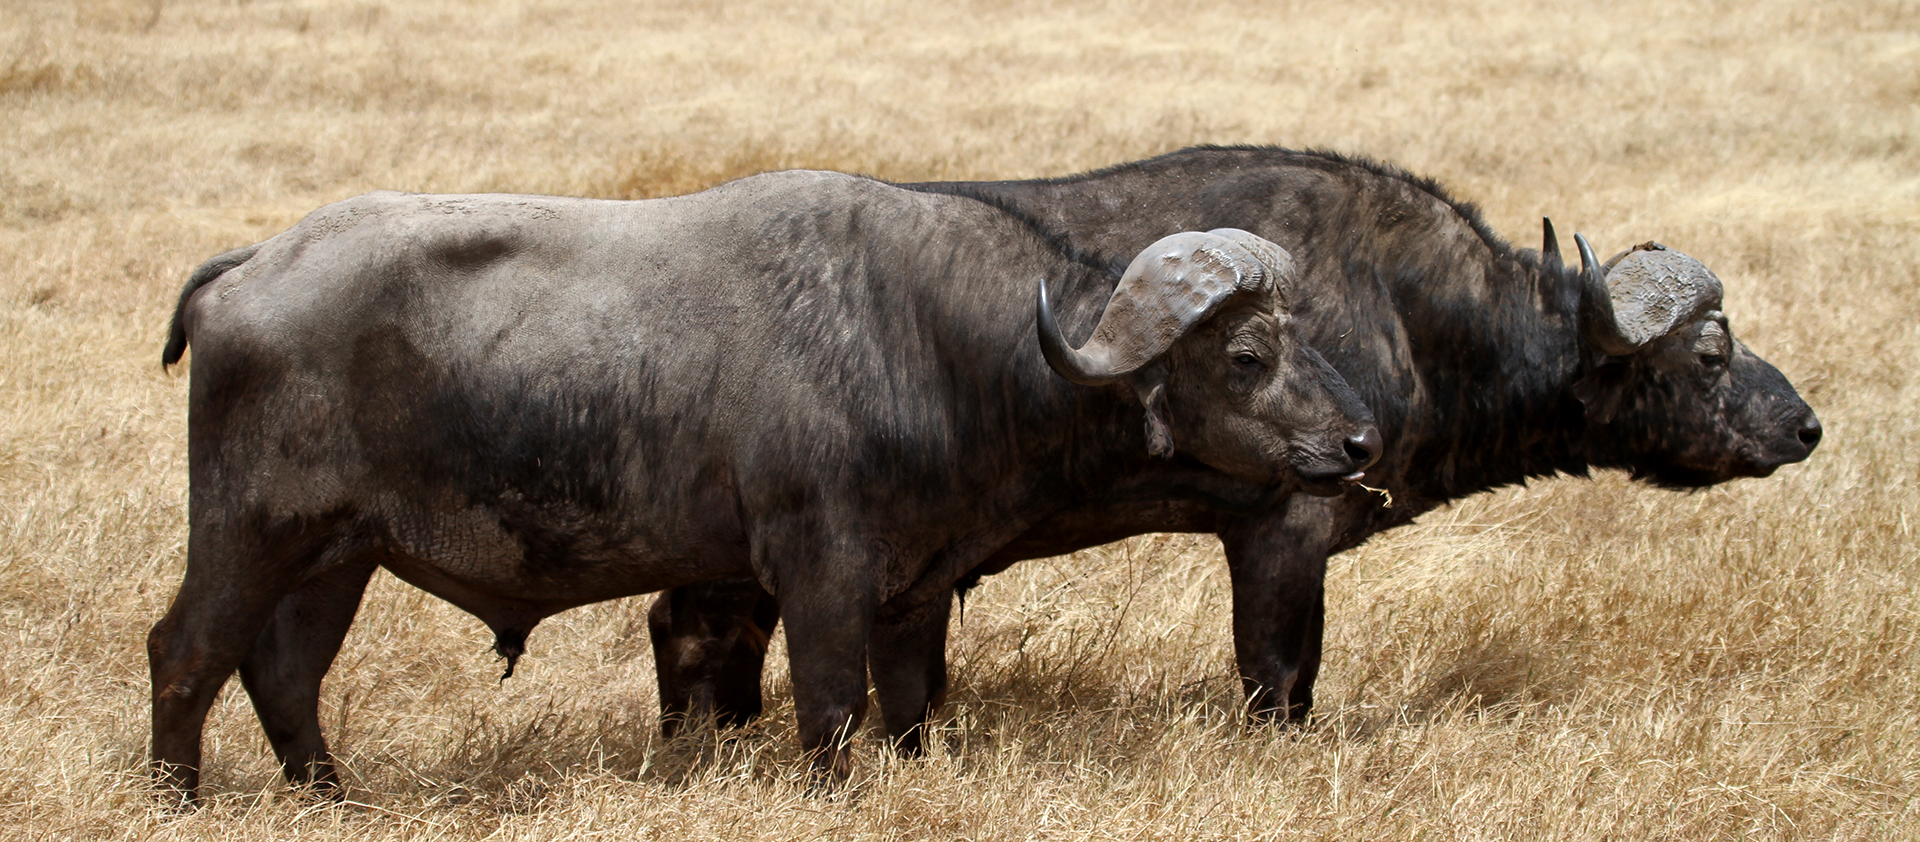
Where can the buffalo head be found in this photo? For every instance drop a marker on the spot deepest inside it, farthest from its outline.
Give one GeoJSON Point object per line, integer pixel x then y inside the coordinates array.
{"type": "Point", "coordinates": [1198, 328]}
{"type": "Point", "coordinates": [1669, 393]}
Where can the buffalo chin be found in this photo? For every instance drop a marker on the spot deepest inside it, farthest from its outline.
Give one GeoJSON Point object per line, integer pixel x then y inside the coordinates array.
{"type": "Point", "coordinates": [1331, 485]}
{"type": "Point", "coordinates": [1677, 478]}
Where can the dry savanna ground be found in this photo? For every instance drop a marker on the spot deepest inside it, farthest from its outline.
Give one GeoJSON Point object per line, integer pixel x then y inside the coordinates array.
{"type": "Point", "coordinates": [1574, 660]}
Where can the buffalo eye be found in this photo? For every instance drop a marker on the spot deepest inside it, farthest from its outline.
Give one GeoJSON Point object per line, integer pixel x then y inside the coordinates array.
{"type": "Point", "coordinates": [1246, 360]}
{"type": "Point", "coordinates": [1712, 345]}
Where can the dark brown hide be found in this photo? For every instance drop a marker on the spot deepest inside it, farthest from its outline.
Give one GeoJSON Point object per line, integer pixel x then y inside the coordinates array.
{"type": "Point", "coordinates": [1471, 355]}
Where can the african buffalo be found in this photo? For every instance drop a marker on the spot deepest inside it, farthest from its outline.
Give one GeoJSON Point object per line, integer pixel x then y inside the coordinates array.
{"type": "Point", "coordinates": [523, 404]}
{"type": "Point", "coordinates": [1484, 366]}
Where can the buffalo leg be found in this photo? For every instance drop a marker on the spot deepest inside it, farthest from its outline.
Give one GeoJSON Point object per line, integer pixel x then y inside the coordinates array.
{"type": "Point", "coordinates": [282, 674]}
{"type": "Point", "coordinates": [230, 590]}
{"type": "Point", "coordinates": [709, 647]}
{"type": "Point", "coordinates": [1300, 698]}
{"type": "Point", "coordinates": [908, 659]}
{"type": "Point", "coordinates": [1278, 566]}
{"type": "Point", "coordinates": [829, 620]}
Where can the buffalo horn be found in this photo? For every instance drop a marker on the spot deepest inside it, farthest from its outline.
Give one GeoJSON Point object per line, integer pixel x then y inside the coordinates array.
{"type": "Point", "coordinates": [1277, 261]}
{"type": "Point", "coordinates": [1170, 287]}
{"type": "Point", "coordinates": [1602, 329]}
{"type": "Point", "coordinates": [1071, 364]}
{"type": "Point", "coordinates": [1550, 248]}
{"type": "Point", "coordinates": [1649, 291]}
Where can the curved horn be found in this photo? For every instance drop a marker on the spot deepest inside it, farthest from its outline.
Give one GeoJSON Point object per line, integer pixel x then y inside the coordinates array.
{"type": "Point", "coordinates": [1602, 329]}
{"type": "Point", "coordinates": [1061, 357]}
{"type": "Point", "coordinates": [1170, 287]}
{"type": "Point", "coordinates": [1650, 291]}
{"type": "Point", "coordinates": [1656, 289]}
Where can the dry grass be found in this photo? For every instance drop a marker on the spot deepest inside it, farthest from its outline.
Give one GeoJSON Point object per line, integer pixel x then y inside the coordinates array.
{"type": "Point", "coordinates": [1576, 660]}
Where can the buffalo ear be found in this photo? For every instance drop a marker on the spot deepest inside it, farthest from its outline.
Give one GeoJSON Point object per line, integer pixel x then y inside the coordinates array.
{"type": "Point", "coordinates": [1150, 386]}
{"type": "Point", "coordinates": [1600, 391]}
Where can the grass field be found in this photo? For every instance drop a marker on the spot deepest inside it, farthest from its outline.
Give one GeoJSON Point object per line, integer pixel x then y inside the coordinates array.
{"type": "Point", "coordinates": [1576, 660]}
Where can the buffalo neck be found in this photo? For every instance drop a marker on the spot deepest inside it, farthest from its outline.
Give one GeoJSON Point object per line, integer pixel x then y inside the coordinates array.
{"type": "Point", "coordinates": [1492, 401]}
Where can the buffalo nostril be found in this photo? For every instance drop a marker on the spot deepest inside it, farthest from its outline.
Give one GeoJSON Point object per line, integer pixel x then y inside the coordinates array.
{"type": "Point", "coordinates": [1810, 434]}
{"type": "Point", "coordinates": [1364, 449]}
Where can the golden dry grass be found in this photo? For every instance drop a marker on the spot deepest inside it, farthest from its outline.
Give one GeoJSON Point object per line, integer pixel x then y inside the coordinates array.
{"type": "Point", "coordinates": [1576, 660]}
